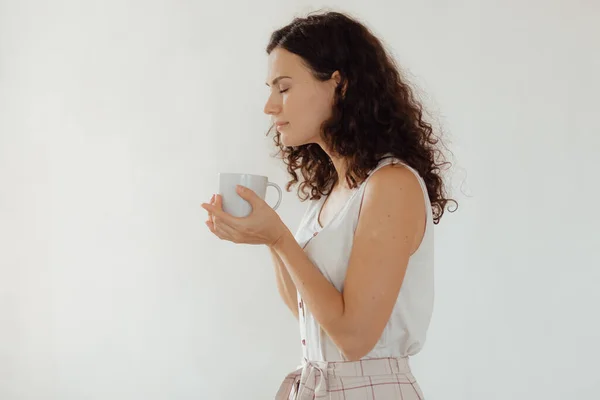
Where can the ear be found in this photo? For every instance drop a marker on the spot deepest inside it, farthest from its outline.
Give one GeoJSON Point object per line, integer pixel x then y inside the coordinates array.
{"type": "Point", "coordinates": [337, 77]}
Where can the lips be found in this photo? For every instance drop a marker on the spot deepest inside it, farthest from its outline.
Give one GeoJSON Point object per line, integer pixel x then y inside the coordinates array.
{"type": "Point", "coordinates": [280, 125]}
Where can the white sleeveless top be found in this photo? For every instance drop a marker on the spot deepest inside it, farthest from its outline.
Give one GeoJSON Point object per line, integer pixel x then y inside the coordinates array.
{"type": "Point", "coordinates": [329, 249]}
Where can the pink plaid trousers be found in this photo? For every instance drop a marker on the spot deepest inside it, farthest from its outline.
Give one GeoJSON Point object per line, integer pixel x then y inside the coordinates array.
{"type": "Point", "coordinates": [373, 379]}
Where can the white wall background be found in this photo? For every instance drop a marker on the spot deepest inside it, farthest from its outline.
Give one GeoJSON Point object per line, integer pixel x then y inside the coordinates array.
{"type": "Point", "coordinates": [116, 116]}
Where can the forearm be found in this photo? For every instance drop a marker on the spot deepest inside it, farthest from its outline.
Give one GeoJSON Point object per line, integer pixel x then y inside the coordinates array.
{"type": "Point", "coordinates": [323, 299]}
{"type": "Point", "coordinates": [285, 284]}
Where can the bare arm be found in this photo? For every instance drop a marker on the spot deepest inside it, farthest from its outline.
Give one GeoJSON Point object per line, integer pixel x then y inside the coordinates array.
{"type": "Point", "coordinates": [387, 234]}
{"type": "Point", "coordinates": [285, 285]}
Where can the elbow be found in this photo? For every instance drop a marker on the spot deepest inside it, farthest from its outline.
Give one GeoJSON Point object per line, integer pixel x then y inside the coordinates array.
{"type": "Point", "coordinates": [355, 347]}
{"type": "Point", "coordinates": [355, 338]}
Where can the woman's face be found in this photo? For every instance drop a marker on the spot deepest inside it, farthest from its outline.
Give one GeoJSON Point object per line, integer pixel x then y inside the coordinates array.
{"type": "Point", "coordinates": [297, 98]}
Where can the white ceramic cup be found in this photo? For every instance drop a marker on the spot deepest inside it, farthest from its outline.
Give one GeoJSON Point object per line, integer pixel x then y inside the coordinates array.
{"type": "Point", "coordinates": [232, 202]}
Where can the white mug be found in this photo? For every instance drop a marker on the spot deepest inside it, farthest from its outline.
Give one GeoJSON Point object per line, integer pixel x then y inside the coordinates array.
{"type": "Point", "coordinates": [232, 202]}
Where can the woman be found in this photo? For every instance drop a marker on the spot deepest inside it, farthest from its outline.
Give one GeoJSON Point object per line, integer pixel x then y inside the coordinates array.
{"type": "Point", "coordinates": [358, 273]}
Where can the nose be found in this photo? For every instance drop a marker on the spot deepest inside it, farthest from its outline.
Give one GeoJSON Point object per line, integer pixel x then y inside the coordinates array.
{"type": "Point", "coordinates": [272, 107]}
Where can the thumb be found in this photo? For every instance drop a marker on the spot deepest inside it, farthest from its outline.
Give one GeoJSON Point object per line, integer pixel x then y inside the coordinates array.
{"type": "Point", "coordinates": [219, 202]}
{"type": "Point", "coordinates": [247, 194]}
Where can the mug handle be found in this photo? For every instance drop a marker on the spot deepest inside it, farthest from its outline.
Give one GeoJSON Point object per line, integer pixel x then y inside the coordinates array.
{"type": "Point", "coordinates": [276, 186]}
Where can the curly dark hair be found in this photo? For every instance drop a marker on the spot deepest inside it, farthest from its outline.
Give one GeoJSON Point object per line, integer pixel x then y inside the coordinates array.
{"type": "Point", "coordinates": [374, 111]}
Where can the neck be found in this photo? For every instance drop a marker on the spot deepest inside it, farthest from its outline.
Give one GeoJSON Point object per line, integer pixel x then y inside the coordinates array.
{"type": "Point", "coordinates": [340, 166]}
{"type": "Point", "coordinates": [340, 169]}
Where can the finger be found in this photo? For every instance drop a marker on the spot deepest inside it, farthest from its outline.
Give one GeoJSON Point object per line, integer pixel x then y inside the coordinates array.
{"type": "Point", "coordinates": [219, 232]}
{"type": "Point", "coordinates": [248, 194]}
{"type": "Point", "coordinates": [213, 199]}
{"type": "Point", "coordinates": [217, 225]}
{"type": "Point", "coordinates": [210, 226]}
{"type": "Point", "coordinates": [219, 213]}
{"type": "Point", "coordinates": [210, 218]}
{"type": "Point", "coordinates": [219, 201]}
{"type": "Point", "coordinates": [226, 232]}
{"type": "Point", "coordinates": [222, 231]}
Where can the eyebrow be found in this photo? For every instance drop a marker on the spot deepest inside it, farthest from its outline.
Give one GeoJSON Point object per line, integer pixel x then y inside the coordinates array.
{"type": "Point", "coordinates": [278, 79]}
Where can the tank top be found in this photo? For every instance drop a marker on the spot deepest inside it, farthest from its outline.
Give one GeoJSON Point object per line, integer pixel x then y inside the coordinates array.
{"type": "Point", "coordinates": [329, 247]}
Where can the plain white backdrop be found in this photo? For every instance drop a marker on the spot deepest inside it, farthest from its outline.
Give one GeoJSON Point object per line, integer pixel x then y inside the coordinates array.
{"type": "Point", "coordinates": [116, 116]}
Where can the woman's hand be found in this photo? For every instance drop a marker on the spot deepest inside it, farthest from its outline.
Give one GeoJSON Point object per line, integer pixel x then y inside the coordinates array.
{"type": "Point", "coordinates": [262, 226]}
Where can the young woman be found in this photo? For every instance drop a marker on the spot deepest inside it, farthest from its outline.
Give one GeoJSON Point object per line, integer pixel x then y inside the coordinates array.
{"type": "Point", "coordinates": [358, 273]}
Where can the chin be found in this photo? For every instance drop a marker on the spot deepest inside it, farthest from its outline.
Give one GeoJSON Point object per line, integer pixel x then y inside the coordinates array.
{"type": "Point", "coordinates": [288, 141]}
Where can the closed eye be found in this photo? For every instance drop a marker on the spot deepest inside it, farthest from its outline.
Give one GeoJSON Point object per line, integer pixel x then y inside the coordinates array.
{"type": "Point", "coordinates": [283, 91]}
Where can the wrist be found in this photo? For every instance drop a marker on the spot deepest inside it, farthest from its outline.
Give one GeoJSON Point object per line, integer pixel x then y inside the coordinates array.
{"type": "Point", "coordinates": [282, 240]}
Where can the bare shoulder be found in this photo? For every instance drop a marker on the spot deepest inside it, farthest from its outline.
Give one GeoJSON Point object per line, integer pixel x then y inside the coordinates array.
{"type": "Point", "coordinates": [394, 206]}
{"type": "Point", "coordinates": [394, 182]}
